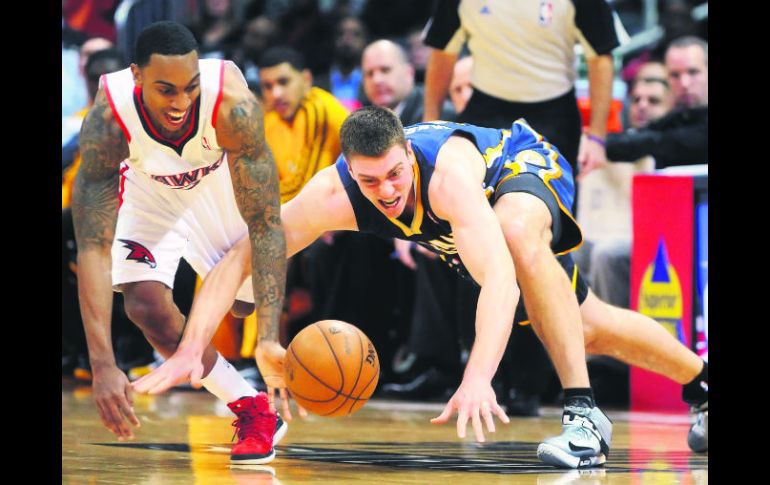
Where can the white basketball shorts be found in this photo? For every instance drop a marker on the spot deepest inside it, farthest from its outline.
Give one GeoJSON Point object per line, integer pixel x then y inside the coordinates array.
{"type": "Point", "coordinates": [157, 225]}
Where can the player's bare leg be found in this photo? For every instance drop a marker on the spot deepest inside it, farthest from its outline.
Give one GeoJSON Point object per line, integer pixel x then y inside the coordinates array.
{"type": "Point", "coordinates": [637, 340]}
{"type": "Point", "coordinates": [545, 287]}
{"type": "Point", "coordinates": [555, 315]}
{"type": "Point", "coordinates": [150, 305]}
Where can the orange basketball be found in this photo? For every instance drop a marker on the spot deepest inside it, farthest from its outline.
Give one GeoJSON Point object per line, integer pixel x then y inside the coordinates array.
{"type": "Point", "coordinates": [331, 368]}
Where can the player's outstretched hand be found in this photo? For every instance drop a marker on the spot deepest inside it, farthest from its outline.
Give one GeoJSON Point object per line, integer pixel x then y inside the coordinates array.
{"type": "Point", "coordinates": [113, 399]}
{"type": "Point", "coordinates": [180, 368]}
{"type": "Point", "coordinates": [475, 400]}
{"type": "Point", "coordinates": [270, 355]}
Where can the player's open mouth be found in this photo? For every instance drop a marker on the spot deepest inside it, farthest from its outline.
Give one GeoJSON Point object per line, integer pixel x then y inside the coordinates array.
{"type": "Point", "coordinates": [176, 119]}
{"type": "Point", "coordinates": [391, 203]}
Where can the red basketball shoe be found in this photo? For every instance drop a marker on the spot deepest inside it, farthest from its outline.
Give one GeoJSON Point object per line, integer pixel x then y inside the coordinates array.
{"type": "Point", "coordinates": [258, 430]}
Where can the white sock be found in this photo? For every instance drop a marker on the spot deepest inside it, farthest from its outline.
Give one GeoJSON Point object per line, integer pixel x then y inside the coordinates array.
{"type": "Point", "coordinates": [226, 383]}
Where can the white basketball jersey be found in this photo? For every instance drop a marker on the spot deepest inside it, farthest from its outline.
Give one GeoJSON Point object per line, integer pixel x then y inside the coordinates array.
{"type": "Point", "coordinates": [176, 164]}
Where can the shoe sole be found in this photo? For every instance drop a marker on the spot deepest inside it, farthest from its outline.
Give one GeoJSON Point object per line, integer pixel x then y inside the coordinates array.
{"type": "Point", "coordinates": [557, 457]}
{"type": "Point", "coordinates": [261, 460]}
{"type": "Point", "coordinates": [280, 432]}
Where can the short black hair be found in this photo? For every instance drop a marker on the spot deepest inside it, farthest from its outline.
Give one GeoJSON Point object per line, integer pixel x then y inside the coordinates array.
{"type": "Point", "coordinates": [280, 54]}
{"type": "Point", "coordinates": [371, 131]}
{"type": "Point", "coordinates": [165, 38]}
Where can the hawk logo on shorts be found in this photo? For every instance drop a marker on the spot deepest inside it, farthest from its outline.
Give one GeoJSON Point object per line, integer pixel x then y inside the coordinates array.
{"type": "Point", "coordinates": [139, 253]}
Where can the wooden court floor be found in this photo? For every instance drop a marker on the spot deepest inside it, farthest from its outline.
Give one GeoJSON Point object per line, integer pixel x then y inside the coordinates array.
{"type": "Point", "coordinates": [185, 438]}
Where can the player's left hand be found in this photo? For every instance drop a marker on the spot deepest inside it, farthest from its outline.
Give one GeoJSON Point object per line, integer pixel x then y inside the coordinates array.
{"type": "Point", "coordinates": [591, 155]}
{"type": "Point", "coordinates": [185, 365]}
{"type": "Point", "coordinates": [474, 399]}
{"type": "Point", "coordinates": [270, 355]}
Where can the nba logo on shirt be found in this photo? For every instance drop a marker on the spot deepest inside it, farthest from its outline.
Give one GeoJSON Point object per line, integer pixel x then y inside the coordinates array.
{"type": "Point", "coordinates": [205, 143]}
{"type": "Point", "coordinates": [546, 13]}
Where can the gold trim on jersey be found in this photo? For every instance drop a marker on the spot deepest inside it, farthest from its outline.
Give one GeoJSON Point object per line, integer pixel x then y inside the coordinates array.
{"type": "Point", "coordinates": [551, 175]}
{"type": "Point", "coordinates": [444, 243]}
{"type": "Point", "coordinates": [491, 154]}
{"type": "Point", "coordinates": [522, 122]}
{"type": "Point", "coordinates": [414, 227]}
{"type": "Point", "coordinates": [552, 172]}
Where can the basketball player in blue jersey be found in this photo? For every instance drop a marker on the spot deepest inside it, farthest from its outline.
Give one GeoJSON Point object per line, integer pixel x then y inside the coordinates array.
{"type": "Point", "coordinates": [175, 164]}
{"type": "Point", "coordinates": [493, 204]}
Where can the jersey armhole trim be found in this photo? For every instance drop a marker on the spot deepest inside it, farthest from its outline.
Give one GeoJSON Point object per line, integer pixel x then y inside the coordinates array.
{"type": "Point", "coordinates": [219, 95]}
{"type": "Point", "coordinates": [114, 109]}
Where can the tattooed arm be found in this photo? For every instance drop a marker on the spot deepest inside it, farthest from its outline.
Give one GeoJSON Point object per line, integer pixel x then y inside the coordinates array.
{"type": "Point", "coordinates": [95, 212]}
{"type": "Point", "coordinates": [240, 131]}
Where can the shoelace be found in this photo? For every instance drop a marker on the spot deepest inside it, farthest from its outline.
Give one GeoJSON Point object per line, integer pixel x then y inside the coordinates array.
{"type": "Point", "coordinates": [247, 423]}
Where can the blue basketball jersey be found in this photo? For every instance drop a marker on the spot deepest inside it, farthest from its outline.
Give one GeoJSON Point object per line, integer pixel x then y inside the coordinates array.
{"type": "Point", "coordinates": [507, 154]}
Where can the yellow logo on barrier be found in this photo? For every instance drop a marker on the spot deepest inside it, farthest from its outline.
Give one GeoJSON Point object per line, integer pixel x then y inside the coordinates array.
{"type": "Point", "coordinates": [660, 295]}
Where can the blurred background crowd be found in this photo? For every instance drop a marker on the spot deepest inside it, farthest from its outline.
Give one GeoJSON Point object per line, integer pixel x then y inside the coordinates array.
{"type": "Point", "coordinates": [311, 62]}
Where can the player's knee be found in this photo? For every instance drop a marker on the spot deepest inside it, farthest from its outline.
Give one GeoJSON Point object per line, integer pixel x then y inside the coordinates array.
{"type": "Point", "coordinates": [153, 312]}
{"type": "Point", "coordinates": [524, 243]}
{"type": "Point", "coordinates": [242, 309]}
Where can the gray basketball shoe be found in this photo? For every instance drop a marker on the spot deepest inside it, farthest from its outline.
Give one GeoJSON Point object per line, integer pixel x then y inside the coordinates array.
{"type": "Point", "coordinates": [584, 442]}
{"type": "Point", "coordinates": [698, 436]}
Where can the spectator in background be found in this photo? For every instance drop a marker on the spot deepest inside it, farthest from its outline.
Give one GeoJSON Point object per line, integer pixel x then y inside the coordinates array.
{"type": "Point", "coordinates": [524, 66]}
{"type": "Point", "coordinates": [461, 88]}
{"type": "Point", "coordinates": [418, 54]}
{"type": "Point", "coordinates": [76, 88]}
{"type": "Point", "coordinates": [345, 80]}
{"type": "Point", "coordinates": [217, 29]}
{"type": "Point", "coordinates": [307, 29]}
{"type": "Point", "coordinates": [389, 82]}
{"type": "Point", "coordinates": [107, 60]}
{"type": "Point", "coordinates": [259, 34]}
{"type": "Point", "coordinates": [302, 121]}
{"type": "Point", "coordinates": [680, 137]}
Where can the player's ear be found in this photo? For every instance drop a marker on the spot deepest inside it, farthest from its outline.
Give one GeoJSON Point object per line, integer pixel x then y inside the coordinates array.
{"type": "Point", "coordinates": [137, 75]}
{"type": "Point", "coordinates": [410, 152]}
{"type": "Point", "coordinates": [350, 169]}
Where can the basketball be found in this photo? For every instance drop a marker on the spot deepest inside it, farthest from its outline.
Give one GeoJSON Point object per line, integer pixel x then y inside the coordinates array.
{"type": "Point", "coordinates": [331, 368]}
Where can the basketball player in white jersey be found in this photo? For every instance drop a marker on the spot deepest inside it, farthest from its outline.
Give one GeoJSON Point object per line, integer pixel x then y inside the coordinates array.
{"type": "Point", "coordinates": [175, 164]}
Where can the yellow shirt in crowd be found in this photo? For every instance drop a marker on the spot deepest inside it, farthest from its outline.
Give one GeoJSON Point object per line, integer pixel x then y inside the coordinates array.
{"type": "Point", "coordinates": [307, 144]}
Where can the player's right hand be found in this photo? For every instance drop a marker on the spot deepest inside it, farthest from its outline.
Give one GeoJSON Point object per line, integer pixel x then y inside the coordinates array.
{"type": "Point", "coordinates": [112, 396]}
{"type": "Point", "coordinates": [270, 357]}
{"type": "Point", "coordinates": [474, 400]}
{"type": "Point", "coordinates": [183, 366]}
